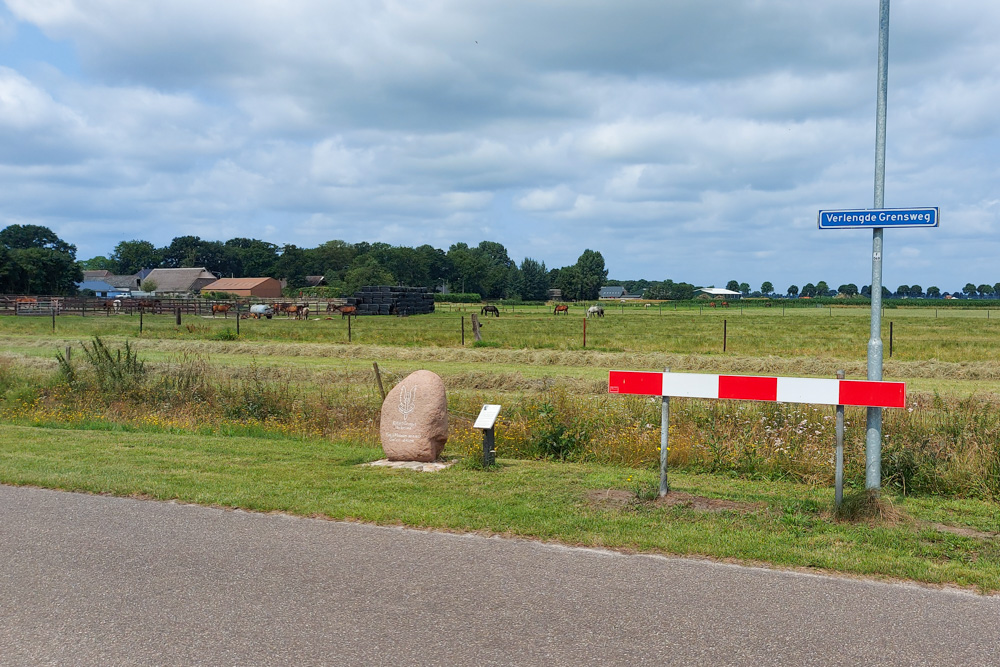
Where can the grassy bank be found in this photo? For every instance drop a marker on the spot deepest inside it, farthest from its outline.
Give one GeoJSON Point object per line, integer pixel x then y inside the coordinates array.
{"type": "Point", "coordinates": [782, 523]}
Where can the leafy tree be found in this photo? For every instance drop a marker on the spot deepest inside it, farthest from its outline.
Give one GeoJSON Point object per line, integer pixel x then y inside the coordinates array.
{"type": "Point", "coordinates": [534, 280]}
{"type": "Point", "coordinates": [809, 290]}
{"type": "Point", "coordinates": [733, 286]}
{"type": "Point", "coordinates": [933, 292]}
{"type": "Point", "coordinates": [767, 288]}
{"type": "Point", "coordinates": [148, 285]}
{"type": "Point", "coordinates": [916, 291]}
{"type": "Point", "coordinates": [822, 289]}
{"type": "Point", "coordinates": [593, 273]}
{"type": "Point", "coordinates": [36, 261]}
{"type": "Point", "coordinates": [571, 281]}
{"type": "Point", "coordinates": [99, 263]}
{"type": "Point", "coordinates": [850, 289]}
{"type": "Point", "coordinates": [181, 252]}
{"type": "Point", "coordinates": [668, 289]}
{"type": "Point", "coordinates": [985, 290]}
{"type": "Point", "coordinates": [250, 258]}
{"type": "Point", "coordinates": [969, 290]}
{"type": "Point", "coordinates": [133, 256]}
{"type": "Point", "coordinates": [498, 279]}
{"type": "Point", "coordinates": [744, 289]}
{"type": "Point", "coordinates": [469, 268]}
{"type": "Point", "coordinates": [366, 271]}
{"type": "Point", "coordinates": [290, 266]}
{"type": "Point", "coordinates": [996, 289]}
{"type": "Point", "coordinates": [793, 290]}
{"type": "Point", "coordinates": [903, 290]}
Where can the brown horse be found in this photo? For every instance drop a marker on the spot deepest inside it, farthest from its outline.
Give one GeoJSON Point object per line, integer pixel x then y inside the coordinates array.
{"type": "Point", "coordinates": [221, 308]}
{"type": "Point", "coordinates": [561, 308]}
{"type": "Point", "coordinates": [345, 311]}
{"type": "Point", "coordinates": [487, 310]}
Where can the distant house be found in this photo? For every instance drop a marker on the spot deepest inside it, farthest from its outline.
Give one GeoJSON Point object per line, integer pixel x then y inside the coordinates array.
{"type": "Point", "coordinates": [123, 284]}
{"type": "Point", "coordinates": [616, 292]}
{"type": "Point", "coordinates": [264, 288]}
{"type": "Point", "coordinates": [101, 288]}
{"type": "Point", "coordinates": [718, 292]}
{"type": "Point", "coordinates": [181, 281]}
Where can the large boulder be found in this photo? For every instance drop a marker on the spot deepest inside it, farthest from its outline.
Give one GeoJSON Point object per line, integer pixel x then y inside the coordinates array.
{"type": "Point", "coordinates": [414, 425]}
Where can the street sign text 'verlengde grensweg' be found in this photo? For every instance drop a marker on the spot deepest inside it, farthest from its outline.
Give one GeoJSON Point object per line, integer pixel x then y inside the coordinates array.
{"type": "Point", "coordinates": [879, 217]}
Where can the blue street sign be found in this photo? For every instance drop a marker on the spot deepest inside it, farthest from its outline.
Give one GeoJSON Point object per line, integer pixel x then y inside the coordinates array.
{"type": "Point", "coordinates": [879, 217]}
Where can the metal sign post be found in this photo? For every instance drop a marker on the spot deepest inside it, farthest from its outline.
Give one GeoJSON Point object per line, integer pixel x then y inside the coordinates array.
{"type": "Point", "coordinates": [485, 421]}
{"type": "Point", "coordinates": [664, 441]}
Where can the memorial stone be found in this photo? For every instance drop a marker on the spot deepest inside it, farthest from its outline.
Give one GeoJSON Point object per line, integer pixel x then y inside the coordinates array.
{"type": "Point", "coordinates": [414, 424]}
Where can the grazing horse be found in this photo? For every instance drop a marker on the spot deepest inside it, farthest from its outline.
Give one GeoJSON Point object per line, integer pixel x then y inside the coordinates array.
{"type": "Point", "coordinates": [152, 306]}
{"type": "Point", "coordinates": [561, 308]}
{"type": "Point", "coordinates": [221, 308]}
{"type": "Point", "coordinates": [347, 311]}
{"type": "Point", "coordinates": [303, 313]}
{"type": "Point", "coordinates": [490, 309]}
{"type": "Point", "coordinates": [597, 311]}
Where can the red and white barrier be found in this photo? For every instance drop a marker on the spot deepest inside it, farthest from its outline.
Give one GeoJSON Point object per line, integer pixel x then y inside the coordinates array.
{"type": "Point", "coordinates": [754, 388]}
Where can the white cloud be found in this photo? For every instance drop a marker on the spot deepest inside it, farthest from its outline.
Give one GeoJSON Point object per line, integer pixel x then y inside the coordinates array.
{"type": "Point", "coordinates": [711, 132]}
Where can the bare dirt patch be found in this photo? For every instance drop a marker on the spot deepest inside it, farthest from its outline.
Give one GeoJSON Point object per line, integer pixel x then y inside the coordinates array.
{"type": "Point", "coordinates": [964, 532]}
{"type": "Point", "coordinates": [618, 498]}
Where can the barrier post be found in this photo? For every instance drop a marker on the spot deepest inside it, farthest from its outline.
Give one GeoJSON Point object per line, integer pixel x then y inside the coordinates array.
{"type": "Point", "coordinates": [839, 474]}
{"type": "Point", "coordinates": [463, 330]}
{"type": "Point", "coordinates": [724, 335]}
{"type": "Point", "coordinates": [664, 441]}
{"type": "Point", "coordinates": [585, 333]}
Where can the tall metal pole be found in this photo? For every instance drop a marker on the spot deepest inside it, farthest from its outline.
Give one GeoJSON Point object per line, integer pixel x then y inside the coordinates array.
{"type": "Point", "coordinates": [873, 435]}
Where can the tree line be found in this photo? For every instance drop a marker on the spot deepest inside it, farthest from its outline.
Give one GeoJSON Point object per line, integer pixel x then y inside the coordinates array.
{"type": "Point", "coordinates": [34, 260]}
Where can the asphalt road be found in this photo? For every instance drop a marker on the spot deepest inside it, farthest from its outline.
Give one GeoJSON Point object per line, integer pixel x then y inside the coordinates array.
{"type": "Point", "coordinates": [92, 580]}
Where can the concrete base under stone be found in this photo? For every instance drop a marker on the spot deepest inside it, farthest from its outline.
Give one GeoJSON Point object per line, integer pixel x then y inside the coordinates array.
{"type": "Point", "coordinates": [419, 466]}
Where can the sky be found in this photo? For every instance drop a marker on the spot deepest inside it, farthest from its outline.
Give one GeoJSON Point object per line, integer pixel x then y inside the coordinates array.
{"type": "Point", "coordinates": [682, 139]}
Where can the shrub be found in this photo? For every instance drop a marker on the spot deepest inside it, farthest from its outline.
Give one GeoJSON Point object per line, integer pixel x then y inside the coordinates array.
{"type": "Point", "coordinates": [458, 297]}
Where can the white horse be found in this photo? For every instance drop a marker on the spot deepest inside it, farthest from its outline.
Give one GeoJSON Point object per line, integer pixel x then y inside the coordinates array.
{"type": "Point", "coordinates": [597, 311]}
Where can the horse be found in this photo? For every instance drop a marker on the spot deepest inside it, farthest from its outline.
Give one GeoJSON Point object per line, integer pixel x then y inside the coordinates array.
{"type": "Point", "coordinates": [221, 308]}
{"type": "Point", "coordinates": [561, 308]}
{"type": "Point", "coordinates": [152, 306]}
{"type": "Point", "coordinates": [490, 309]}
{"type": "Point", "coordinates": [597, 311]}
{"type": "Point", "coordinates": [303, 313]}
{"type": "Point", "coordinates": [347, 311]}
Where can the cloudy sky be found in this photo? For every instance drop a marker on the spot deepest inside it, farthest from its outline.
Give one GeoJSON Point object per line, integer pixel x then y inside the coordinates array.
{"type": "Point", "coordinates": [683, 139]}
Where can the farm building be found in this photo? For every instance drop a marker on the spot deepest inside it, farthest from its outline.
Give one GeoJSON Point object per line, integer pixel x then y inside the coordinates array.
{"type": "Point", "coordinates": [718, 292]}
{"type": "Point", "coordinates": [102, 288]}
{"type": "Point", "coordinates": [616, 292]}
{"type": "Point", "coordinates": [181, 281]}
{"type": "Point", "coordinates": [264, 288]}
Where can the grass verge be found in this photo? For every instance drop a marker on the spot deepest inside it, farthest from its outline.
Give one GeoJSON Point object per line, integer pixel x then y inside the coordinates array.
{"type": "Point", "coordinates": [780, 523]}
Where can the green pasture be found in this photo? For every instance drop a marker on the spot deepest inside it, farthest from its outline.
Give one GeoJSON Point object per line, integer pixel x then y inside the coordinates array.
{"type": "Point", "coordinates": [833, 333]}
